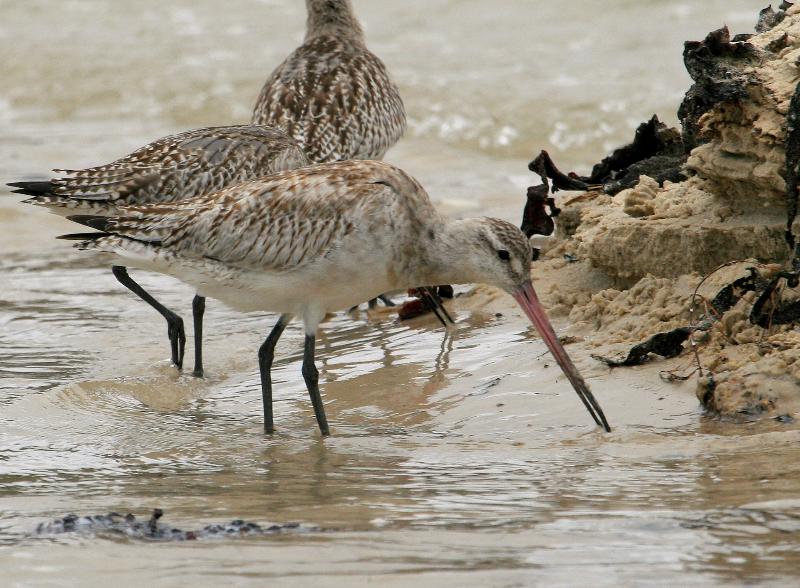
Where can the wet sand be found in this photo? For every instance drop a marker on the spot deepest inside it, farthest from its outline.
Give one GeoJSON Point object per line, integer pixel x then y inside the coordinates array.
{"type": "Point", "coordinates": [455, 460]}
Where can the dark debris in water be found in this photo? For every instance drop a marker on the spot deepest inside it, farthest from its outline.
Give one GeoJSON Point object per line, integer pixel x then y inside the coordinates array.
{"type": "Point", "coordinates": [153, 529]}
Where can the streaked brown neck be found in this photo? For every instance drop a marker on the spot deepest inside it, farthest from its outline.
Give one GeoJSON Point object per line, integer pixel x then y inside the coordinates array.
{"type": "Point", "coordinates": [332, 17]}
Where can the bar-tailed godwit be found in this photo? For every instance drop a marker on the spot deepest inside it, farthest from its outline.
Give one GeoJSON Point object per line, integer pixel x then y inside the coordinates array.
{"type": "Point", "coordinates": [319, 239]}
{"type": "Point", "coordinates": [332, 94]}
{"type": "Point", "coordinates": [176, 167]}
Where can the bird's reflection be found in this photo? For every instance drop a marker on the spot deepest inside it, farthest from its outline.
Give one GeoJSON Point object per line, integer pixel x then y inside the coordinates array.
{"type": "Point", "coordinates": [383, 374]}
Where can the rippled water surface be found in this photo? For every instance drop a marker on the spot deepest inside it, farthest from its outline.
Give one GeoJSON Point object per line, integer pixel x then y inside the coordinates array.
{"type": "Point", "coordinates": [455, 460]}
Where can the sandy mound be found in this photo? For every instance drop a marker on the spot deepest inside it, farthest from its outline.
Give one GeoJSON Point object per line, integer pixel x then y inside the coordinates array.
{"type": "Point", "coordinates": [624, 268]}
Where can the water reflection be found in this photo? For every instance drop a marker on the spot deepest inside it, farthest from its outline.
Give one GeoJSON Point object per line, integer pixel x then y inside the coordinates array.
{"type": "Point", "coordinates": [433, 431]}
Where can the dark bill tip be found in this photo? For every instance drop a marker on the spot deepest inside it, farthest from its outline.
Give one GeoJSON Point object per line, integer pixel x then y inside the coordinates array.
{"type": "Point", "coordinates": [527, 299]}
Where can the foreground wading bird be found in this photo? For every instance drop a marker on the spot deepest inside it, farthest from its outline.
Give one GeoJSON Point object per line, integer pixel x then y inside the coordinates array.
{"type": "Point", "coordinates": [315, 240]}
{"type": "Point", "coordinates": [176, 167]}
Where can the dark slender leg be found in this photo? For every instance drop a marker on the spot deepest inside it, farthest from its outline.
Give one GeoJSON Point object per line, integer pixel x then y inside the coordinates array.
{"type": "Point", "coordinates": [266, 353]}
{"type": "Point", "coordinates": [198, 310]}
{"type": "Point", "coordinates": [311, 376]}
{"type": "Point", "coordinates": [373, 303]}
{"type": "Point", "coordinates": [431, 299]}
{"type": "Point", "coordinates": [175, 332]}
{"type": "Point", "coordinates": [383, 298]}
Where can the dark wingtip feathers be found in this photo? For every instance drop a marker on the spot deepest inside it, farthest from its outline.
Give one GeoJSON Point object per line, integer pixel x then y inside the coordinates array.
{"type": "Point", "coordinates": [90, 220]}
{"type": "Point", "coordinates": [31, 188]}
{"type": "Point", "coordinates": [82, 236]}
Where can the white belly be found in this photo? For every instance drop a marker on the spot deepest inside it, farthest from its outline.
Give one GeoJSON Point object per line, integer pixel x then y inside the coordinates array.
{"type": "Point", "coordinates": [326, 285]}
{"type": "Point", "coordinates": [288, 292]}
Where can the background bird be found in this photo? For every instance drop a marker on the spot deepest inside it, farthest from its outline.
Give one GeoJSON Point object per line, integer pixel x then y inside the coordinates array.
{"type": "Point", "coordinates": [314, 240]}
{"type": "Point", "coordinates": [332, 94]}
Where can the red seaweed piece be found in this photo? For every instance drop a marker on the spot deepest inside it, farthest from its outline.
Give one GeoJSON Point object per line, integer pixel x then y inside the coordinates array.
{"type": "Point", "coordinates": [535, 219]}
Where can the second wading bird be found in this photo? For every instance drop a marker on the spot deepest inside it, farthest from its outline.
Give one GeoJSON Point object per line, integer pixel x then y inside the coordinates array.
{"type": "Point", "coordinates": [314, 240]}
{"type": "Point", "coordinates": [332, 94]}
{"type": "Point", "coordinates": [176, 167]}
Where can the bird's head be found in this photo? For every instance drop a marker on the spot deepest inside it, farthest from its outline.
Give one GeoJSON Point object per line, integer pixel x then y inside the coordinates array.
{"type": "Point", "coordinates": [497, 253]}
{"type": "Point", "coordinates": [335, 17]}
{"type": "Point", "coordinates": [490, 251]}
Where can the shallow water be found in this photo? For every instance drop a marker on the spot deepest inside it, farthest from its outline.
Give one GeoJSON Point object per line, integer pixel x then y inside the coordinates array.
{"type": "Point", "coordinates": [455, 460]}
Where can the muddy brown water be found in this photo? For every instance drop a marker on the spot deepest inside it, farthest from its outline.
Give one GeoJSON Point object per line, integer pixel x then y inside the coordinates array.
{"type": "Point", "coordinates": [461, 460]}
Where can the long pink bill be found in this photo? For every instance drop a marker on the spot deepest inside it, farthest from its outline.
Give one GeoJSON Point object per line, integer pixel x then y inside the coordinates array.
{"type": "Point", "coordinates": [527, 299]}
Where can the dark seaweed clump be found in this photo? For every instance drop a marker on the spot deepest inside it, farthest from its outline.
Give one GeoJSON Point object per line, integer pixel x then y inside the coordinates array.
{"type": "Point", "coordinates": [717, 67]}
{"type": "Point", "coordinates": [715, 64]}
{"type": "Point", "coordinates": [656, 150]}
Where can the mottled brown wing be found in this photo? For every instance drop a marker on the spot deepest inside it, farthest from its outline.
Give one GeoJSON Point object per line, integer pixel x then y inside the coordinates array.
{"type": "Point", "coordinates": [181, 166]}
{"type": "Point", "coordinates": [279, 223]}
{"type": "Point", "coordinates": [335, 99]}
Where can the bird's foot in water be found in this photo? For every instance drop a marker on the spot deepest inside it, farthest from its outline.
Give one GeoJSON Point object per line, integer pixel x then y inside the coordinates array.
{"type": "Point", "coordinates": [416, 306]}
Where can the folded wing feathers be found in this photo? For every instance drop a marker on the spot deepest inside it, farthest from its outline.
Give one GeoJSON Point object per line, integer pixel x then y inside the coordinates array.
{"type": "Point", "coordinates": [278, 223]}
{"type": "Point", "coordinates": [186, 165]}
{"type": "Point", "coordinates": [267, 224]}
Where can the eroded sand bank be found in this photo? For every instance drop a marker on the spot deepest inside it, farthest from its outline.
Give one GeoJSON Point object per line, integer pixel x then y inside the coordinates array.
{"type": "Point", "coordinates": [624, 268]}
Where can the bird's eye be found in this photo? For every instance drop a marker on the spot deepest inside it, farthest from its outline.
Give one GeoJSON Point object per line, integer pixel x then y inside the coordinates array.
{"type": "Point", "coordinates": [504, 255]}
